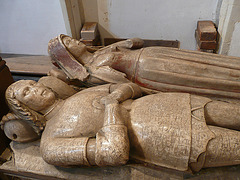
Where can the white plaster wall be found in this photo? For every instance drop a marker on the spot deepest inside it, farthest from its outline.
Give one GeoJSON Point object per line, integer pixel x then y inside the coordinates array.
{"type": "Point", "coordinates": [228, 28]}
{"type": "Point", "coordinates": [234, 49]}
{"type": "Point", "coordinates": [28, 25]}
{"type": "Point", "coordinates": [159, 19]}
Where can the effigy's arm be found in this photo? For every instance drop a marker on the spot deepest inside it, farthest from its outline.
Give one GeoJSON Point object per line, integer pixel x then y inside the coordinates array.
{"type": "Point", "coordinates": [106, 74]}
{"type": "Point", "coordinates": [134, 43]}
{"type": "Point", "coordinates": [124, 91]}
{"type": "Point", "coordinates": [112, 144]}
{"type": "Point", "coordinates": [109, 147]}
{"type": "Point", "coordinates": [65, 151]}
{"type": "Point", "coordinates": [58, 73]}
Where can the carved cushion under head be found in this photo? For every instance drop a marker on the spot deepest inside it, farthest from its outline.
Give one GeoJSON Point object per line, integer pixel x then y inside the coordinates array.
{"type": "Point", "coordinates": [20, 131]}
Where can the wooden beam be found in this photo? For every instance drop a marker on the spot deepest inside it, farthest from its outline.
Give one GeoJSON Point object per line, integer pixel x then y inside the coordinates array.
{"type": "Point", "coordinates": [32, 65]}
{"type": "Point", "coordinates": [147, 42]}
{"type": "Point", "coordinates": [72, 17]}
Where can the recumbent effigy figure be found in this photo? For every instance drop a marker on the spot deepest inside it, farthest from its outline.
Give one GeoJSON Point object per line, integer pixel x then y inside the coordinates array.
{"type": "Point", "coordinates": [157, 68]}
{"type": "Point", "coordinates": [106, 125]}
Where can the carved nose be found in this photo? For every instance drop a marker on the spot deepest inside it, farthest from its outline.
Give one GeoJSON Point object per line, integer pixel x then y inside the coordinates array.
{"type": "Point", "coordinates": [34, 90]}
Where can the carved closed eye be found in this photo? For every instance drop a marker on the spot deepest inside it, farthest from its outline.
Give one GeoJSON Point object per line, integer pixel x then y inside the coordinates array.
{"type": "Point", "coordinates": [26, 91]}
{"type": "Point", "coordinates": [67, 42]}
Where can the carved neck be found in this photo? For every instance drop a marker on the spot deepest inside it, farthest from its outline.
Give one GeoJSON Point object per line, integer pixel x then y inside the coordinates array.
{"type": "Point", "coordinates": [53, 109]}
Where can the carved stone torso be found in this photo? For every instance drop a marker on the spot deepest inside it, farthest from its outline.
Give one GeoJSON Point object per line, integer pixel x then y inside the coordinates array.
{"type": "Point", "coordinates": [85, 119]}
{"type": "Point", "coordinates": [159, 126]}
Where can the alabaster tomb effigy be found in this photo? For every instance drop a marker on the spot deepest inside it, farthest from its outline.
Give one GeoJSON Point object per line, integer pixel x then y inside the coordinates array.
{"type": "Point", "coordinates": [123, 128]}
{"type": "Point", "coordinates": [158, 68]}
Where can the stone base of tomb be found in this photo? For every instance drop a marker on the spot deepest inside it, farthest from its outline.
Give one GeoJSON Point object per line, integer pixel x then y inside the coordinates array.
{"type": "Point", "coordinates": [27, 162]}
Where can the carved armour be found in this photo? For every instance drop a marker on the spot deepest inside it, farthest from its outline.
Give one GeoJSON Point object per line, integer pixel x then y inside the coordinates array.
{"type": "Point", "coordinates": [163, 130]}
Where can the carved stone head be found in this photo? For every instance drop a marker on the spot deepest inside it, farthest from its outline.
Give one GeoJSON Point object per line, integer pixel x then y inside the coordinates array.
{"type": "Point", "coordinates": [64, 52]}
{"type": "Point", "coordinates": [75, 47]}
{"type": "Point", "coordinates": [33, 94]}
{"type": "Point", "coordinates": [26, 98]}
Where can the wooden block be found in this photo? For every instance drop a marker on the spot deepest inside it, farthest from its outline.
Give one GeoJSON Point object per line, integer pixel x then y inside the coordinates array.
{"type": "Point", "coordinates": [6, 155]}
{"type": "Point", "coordinates": [206, 31]}
{"type": "Point", "coordinates": [205, 50]}
{"type": "Point", "coordinates": [89, 31]}
{"type": "Point", "coordinates": [207, 45]}
{"type": "Point", "coordinates": [147, 43]}
{"type": "Point", "coordinates": [94, 42]}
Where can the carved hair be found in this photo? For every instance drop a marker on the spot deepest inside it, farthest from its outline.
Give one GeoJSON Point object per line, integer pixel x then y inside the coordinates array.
{"type": "Point", "coordinates": [21, 111]}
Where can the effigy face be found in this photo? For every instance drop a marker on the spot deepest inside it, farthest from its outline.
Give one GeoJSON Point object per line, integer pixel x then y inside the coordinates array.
{"type": "Point", "coordinates": [28, 101]}
{"type": "Point", "coordinates": [34, 95]}
{"type": "Point", "coordinates": [74, 46]}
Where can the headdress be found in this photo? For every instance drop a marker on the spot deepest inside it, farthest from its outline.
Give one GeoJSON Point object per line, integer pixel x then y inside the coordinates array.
{"type": "Point", "coordinates": [63, 59]}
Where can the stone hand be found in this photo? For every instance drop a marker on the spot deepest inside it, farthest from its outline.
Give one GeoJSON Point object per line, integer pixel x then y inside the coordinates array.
{"type": "Point", "coordinates": [58, 74]}
{"type": "Point", "coordinates": [108, 100]}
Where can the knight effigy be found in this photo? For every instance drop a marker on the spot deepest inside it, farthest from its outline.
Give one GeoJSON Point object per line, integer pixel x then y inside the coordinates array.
{"type": "Point", "coordinates": [108, 125]}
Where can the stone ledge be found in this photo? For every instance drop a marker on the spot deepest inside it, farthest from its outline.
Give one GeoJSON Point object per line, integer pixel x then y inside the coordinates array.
{"type": "Point", "coordinates": [27, 162]}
